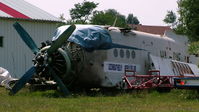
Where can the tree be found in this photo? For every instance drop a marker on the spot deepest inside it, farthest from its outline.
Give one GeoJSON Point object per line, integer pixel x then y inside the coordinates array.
{"type": "Point", "coordinates": [194, 48]}
{"type": "Point", "coordinates": [61, 16]}
{"type": "Point", "coordinates": [82, 11]}
{"type": "Point", "coordinates": [132, 20]}
{"type": "Point", "coordinates": [170, 18]}
{"type": "Point", "coordinates": [189, 19]}
{"type": "Point", "coordinates": [109, 17]}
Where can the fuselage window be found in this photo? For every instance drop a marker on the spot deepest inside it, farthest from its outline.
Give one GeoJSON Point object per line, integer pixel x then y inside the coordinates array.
{"type": "Point", "coordinates": [176, 56]}
{"type": "Point", "coordinates": [187, 59]}
{"type": "Point", "coordinates": [163, 54]}
{"type": "Point", "coordinates": [133, 54]}
{"type": "Point", "coordinates": [121, 53]}
{"type": "Point", "coordinates": [152, 43]}
{"type": "Point", "coordinates": [127, 54]}
{"type": "Point", "coordinates": [115, 53]}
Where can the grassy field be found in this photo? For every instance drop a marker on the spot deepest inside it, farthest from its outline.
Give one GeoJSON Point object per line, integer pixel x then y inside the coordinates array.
{"type": "Point", "coordinates": [144, 101]}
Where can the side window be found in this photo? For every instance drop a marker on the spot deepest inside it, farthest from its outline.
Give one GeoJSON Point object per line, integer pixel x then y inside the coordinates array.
{"type": "Point", "coordinates": [152, 43]}
{"type": "Point", "coordinates": [115, 52]}
{"type": "Point", "coordinates": [1, 41]}
{"type": "Point", "coordinates": [127, 54]}
{"type": "Point", "coordinates": [133, 54]}
{"type": "Point", "coordinates": [121, 53]}
{"type": "Point", "coordinates": [124, 53]}
{"type": "Point", "coordinates": [176, 56]}
{"type": "Point", "coordinates": [163, 54]}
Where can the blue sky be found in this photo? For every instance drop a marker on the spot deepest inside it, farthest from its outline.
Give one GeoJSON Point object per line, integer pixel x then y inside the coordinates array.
{"type": "Point", "coordinates": [149, 12]}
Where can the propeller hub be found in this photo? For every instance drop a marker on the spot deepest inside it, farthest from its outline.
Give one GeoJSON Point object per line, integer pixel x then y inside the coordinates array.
{"type": "Point", "coordinates": [50, 60]}
{"type": "Point", "coordinates": [59, 61]}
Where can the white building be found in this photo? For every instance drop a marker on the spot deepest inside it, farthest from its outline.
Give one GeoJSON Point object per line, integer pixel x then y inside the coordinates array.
{"type": "Point", "coordinates": [15, 56]}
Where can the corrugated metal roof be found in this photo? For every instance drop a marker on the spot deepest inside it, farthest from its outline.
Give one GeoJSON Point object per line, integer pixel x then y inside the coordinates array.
{"type": "Point", "coordinates": [4, 14]}
{"type": "Point", "coordinates": [24, 10]}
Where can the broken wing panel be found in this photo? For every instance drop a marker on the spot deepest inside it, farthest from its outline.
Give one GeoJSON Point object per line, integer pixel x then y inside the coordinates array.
{"type": "Point", "coordinates": [164, 65]}
{"type": "Point", "coordinates": [173, 67]}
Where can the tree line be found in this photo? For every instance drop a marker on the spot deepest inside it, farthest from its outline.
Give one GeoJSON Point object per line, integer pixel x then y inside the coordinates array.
{"type": "Point", "coordinates": [85, 13]}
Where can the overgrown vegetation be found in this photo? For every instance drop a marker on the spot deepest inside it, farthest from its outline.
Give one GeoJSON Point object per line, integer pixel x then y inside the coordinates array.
{"type": "Point", "coordinates": [194, 48]}
{"type": "Point", "coordinates": [137, 101]}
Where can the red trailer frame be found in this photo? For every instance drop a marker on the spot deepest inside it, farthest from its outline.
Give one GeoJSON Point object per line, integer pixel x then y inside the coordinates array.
{"type": "Point", "coordinates": [152, 80]}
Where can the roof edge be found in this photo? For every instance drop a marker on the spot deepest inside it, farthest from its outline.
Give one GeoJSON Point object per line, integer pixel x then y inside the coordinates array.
{"type": "Point", "coordinates": [22, 19]}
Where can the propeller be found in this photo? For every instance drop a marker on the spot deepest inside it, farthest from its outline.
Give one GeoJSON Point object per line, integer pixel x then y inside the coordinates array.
{"type": "Point", "coordinates": [22, 81]}
{"type": "Point", "coordinates": [59, 82]}
{"type": "Point", "coordinates": [61, 39]}
{"type": "Point", "coordinates": [26, 38]}
{"type": "Point", "coordinates": [53, 48]}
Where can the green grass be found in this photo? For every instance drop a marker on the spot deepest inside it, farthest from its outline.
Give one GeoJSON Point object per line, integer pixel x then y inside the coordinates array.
{"type": "Point", "coordinates": [50, 101]}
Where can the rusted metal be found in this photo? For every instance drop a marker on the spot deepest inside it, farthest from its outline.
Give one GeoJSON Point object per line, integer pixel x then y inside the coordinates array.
{"type": "Point", "coordinates": [181, 68]}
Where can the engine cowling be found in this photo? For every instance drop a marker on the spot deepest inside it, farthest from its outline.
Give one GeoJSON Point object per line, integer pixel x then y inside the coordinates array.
{"type": "Point", "coordinates": [60, 61]}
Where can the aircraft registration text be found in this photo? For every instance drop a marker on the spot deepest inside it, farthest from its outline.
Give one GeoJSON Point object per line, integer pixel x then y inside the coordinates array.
{"type": "Point", "coordinates": [118, 67]}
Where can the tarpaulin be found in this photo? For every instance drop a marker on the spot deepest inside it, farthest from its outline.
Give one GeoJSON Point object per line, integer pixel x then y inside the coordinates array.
{"type": "Point", "coordinates": [91, 37]}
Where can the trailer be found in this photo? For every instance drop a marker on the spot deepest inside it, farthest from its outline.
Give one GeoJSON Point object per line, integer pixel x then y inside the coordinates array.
{"type": "Point", "coordinates": [186, 82]}
{"type": "Point", "coordinates": [154, 80]}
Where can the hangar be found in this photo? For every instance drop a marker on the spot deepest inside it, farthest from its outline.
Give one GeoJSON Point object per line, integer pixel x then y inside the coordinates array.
{"type": "Point", "coordinates": [15, 56]}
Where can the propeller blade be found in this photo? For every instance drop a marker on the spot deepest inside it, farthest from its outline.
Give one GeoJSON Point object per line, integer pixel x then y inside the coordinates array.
{"type": "Point", "coordinates": [61, 39]}
{"type": "Point", "coordinates": [22, 81]}
{"type": "Point", "coordinates": [59, 82]}
{"type": "Point", "coordinates": [26, 37]}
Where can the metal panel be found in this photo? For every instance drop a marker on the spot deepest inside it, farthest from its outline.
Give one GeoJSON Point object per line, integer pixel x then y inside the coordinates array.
{"type": "Point", "coordinates": [162, 64]}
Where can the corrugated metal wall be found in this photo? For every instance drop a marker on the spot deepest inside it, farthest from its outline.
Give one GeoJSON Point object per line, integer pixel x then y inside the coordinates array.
{"type": "Point", "coordinates": [15, 56]}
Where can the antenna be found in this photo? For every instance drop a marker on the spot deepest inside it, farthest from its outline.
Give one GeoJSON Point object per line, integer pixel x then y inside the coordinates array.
{"type": "Point", "coordinates": [115, 21]}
